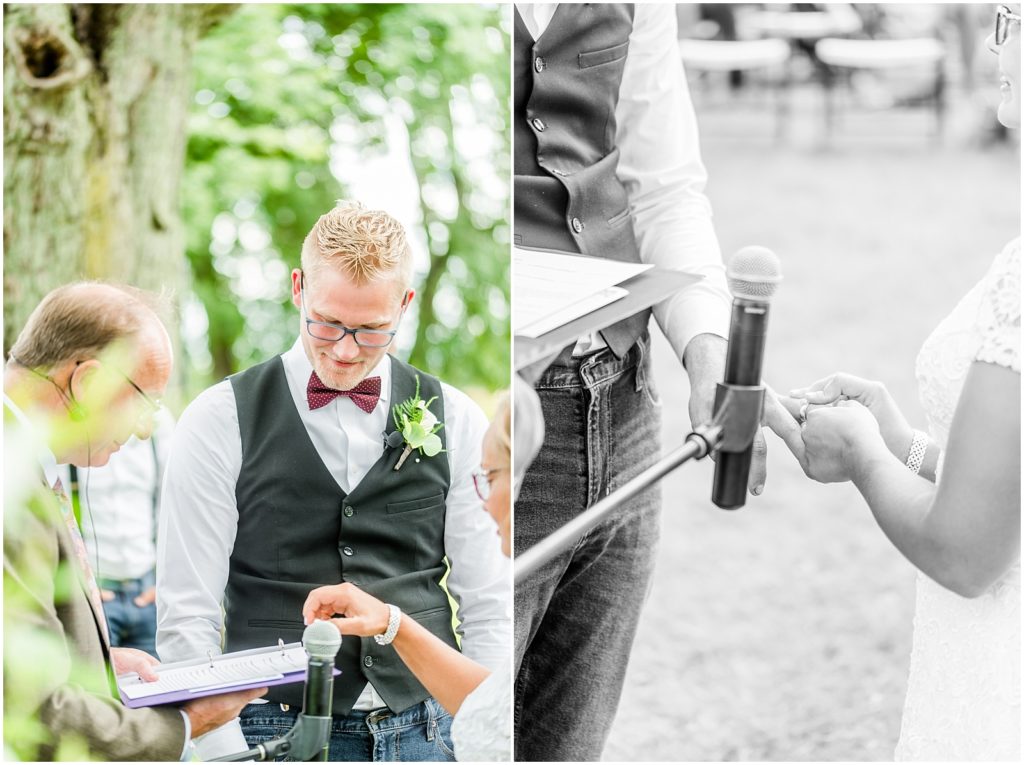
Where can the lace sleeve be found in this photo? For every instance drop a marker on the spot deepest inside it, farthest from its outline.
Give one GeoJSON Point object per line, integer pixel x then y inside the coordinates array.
{"type": "Point", "coordinates": [999, 313]}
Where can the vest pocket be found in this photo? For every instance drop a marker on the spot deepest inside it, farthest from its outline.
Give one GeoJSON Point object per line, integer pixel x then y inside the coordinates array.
{"type": "Point", "coordinates": [433, 502]}
{"type": "Point", "coordinates": [604, 56]}
{"type": "Point", "coordinates": [619, 218]}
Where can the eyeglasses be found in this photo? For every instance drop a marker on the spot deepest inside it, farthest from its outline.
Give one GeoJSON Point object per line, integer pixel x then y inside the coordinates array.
{"type": "Point", "coordinates": [1004, 17]}
{"type": "Point", "coordinates": [482, 482]}
{"type": "Point", "coordinates": [153, 404]}
{"type": "Point", "coordinates": [333, 333]}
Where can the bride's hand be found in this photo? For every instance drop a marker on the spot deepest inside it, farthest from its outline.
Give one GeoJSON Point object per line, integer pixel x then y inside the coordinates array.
{"type": "Point", "coordinates": [839, 441]}
{"type": "Point", "coordinates": [361, 613]}
{"type": "Point", "coordinates": [895, 430]}
{"type": "Point", "coordinates": [833, 442]}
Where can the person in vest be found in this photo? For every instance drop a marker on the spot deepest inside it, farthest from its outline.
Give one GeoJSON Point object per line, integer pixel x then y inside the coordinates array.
{"type": "Point", "coordinates": [479, 699]}
{"type": "Point", "coordinates": [83, 377]}
{"type": "Point", "coordinates": [606, 164]}
{"type": "Point", "coordinates": [293, 474]}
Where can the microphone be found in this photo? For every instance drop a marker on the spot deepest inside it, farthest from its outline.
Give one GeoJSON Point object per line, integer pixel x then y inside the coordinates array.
{"type": "Point", "coordinates": [309, 739]}
{"type": "Point", "coordinates": [322, 641]}
{"type": "Point", "coordinates": [753, 275]}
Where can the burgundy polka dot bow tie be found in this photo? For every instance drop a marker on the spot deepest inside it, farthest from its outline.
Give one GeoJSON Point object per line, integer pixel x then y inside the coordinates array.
{"type": "Point", "coordinates": [365, 395]}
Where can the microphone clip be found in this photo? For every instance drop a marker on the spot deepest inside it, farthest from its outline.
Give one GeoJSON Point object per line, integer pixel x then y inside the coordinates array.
{"type": "Point", "coordinates": [738, 410]}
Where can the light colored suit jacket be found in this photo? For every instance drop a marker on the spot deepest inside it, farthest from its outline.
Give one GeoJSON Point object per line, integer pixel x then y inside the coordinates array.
{"type": "Point", "coordinates": [55, 656]}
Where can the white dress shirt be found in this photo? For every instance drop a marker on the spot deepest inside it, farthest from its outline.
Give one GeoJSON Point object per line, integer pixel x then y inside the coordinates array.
{"type": "Point", "coordinates": [119, 501]}
{"type": "Point", "coordinates": [662, 172]}
{"type": "Point", "coordinates": [199, 518]}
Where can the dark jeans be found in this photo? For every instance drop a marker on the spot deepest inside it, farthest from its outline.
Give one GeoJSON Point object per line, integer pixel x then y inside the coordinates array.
{"type": "Point", "coordinates": [129, 625]}
{"type": "Point", "coordinates": [421, 733]}
{"type": "Point", "coordinates": [576, 618]}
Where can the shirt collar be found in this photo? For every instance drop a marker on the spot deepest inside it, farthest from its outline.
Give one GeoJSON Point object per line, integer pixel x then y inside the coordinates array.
{"type": "Point", "coordinates": [44, 456]}
{"type": "Point", "coordinates": [298, 365]}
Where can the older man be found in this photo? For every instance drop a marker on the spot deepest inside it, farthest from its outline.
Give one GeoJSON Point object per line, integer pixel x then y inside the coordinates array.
{"type": "Point", "coordinates": [293, 474]}
{"type": "Point", "coordinates": [83, 377]}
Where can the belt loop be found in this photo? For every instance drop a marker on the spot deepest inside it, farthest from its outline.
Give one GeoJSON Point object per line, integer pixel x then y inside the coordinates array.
{"type": "Point", "coordinates": [431, 720]}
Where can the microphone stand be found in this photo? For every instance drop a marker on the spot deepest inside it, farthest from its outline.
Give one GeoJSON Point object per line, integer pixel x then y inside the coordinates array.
{"type": "Point", "coordinates": [696, 446]}
{"type": "Point", "coordinates": [304, 743]}
{"type": "Point", "coordinates": [737, 417]}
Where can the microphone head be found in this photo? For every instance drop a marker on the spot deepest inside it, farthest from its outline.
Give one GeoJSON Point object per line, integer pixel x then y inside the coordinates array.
{"type": "Point", "coordinates": [393, 440]}
{"type": "Point", "coordinates": [322, 640]}
{"type": "Point", "coordinates": [754, 273]}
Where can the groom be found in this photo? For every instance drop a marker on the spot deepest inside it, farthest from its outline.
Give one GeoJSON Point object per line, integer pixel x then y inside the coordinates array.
{"type": "Point", "coordinates": [282, 479]}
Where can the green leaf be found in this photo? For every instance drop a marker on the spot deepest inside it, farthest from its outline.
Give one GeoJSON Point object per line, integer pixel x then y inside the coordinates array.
{"type": "Point", "coordinates": [431, 445]}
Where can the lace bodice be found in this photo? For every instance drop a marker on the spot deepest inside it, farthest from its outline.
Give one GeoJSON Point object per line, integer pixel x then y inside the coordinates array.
{"type": "Point", "coordinates": [963, 694]}
{"type": "Point", "coordinates": [482, 729]}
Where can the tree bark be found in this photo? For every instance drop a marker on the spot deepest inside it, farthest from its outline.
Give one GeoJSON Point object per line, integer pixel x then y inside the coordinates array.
{"type": "Point", "coordinates": [95, 107]}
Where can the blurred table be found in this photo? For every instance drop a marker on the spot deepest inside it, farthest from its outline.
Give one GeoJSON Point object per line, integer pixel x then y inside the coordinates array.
{"type": "Point", "coordinates": [805, 27]}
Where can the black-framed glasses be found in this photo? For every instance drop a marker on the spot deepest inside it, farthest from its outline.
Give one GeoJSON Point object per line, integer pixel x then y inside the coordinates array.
{"type": "Point", "coordinates": [482, 482]}
{"type": "Point", "coordinates": [333, 333]}
{"type": "Point", "coordinates": [1004, 17]}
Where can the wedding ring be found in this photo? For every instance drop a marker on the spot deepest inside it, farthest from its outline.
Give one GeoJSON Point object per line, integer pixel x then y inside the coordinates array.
{"type": "Point", "coordinates": [802, 417]}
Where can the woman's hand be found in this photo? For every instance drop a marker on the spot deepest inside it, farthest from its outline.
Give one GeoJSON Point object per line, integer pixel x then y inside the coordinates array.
{"type": "Point", "coordinates": [834, 441]}
{"type": "Point", "coordinates": [133, 660]}
{"type": "Point", "coordinates": [895, 430]}
{"type": "Point", "coordinates": [839, 440]}
{"type": "Point", "coordinates": [362, 614]}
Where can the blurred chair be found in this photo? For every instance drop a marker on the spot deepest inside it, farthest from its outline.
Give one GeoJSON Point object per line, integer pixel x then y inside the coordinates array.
{"type": "Point", "coordinates": [843, 58]}
{"type": "Point", "coordinates": [704, 57]}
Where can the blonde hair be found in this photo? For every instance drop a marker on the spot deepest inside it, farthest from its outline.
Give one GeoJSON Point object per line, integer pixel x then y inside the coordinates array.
{"type": "Point", "coordinates": [81, 320]}
{"type": "Point", "coordinates": [500, 428]}
{"type": "Point", "coordinates": [366, 245]}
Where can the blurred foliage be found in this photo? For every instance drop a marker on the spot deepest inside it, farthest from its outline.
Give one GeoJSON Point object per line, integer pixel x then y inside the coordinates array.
{"type": "Point", "coordinates": [283, 93]}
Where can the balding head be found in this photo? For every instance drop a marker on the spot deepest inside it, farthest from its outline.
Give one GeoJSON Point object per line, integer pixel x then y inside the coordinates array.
{"type": "Point", "coordinates": [79, 321]}
{"type": "Point", "coordinates": [95, 358]}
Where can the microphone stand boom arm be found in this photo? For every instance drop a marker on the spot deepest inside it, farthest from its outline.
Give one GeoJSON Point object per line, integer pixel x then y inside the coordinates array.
{"type": "Point", "coordinates": [737, 416]}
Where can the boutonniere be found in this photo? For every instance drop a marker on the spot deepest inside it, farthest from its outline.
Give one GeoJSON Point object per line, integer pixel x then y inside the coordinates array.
{"type": "Point", "coordinates": [418, 426]}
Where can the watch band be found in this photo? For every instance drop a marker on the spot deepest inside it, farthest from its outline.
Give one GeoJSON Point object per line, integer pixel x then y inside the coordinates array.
{"type": "Point", "coordinates": [394, 619]}
{"type": "Point", "coordinates": [918, 448]}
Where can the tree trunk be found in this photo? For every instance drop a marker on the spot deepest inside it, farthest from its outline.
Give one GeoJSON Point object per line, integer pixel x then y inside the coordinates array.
{"type": "Point", "coordinates": [95, 105]}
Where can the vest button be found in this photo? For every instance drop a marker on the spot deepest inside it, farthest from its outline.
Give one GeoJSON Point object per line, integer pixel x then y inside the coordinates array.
{"type": "Point", "coordinates": [348, 551]}
{"type": "Point", "coordinates": [539, 64]}
{"type": "Point", "coordinates": [577, 225]}
{"type": "Point", "coordinates": [368, 661]}
{"type": "Point", "coordinates": [538, 124]}
{"type": "Point", "coordinates": [349, 511]}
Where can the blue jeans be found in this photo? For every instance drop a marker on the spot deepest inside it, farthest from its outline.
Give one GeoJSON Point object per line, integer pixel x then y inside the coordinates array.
{"type": "Point", "coordinates": [421, 733]}
{"type": "Point", "coordinates": [576, 618]}
{"type": "Point", "coordinates": [129, 625]}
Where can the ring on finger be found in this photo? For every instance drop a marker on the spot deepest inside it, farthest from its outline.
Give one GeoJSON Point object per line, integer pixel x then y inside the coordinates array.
{"type": "Point", "coordinates": [802, 416]}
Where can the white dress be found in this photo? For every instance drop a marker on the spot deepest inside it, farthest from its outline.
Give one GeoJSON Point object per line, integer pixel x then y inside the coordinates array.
{"type": "Point", "coordinates": [482, 730]}
{"type": "Point", "coordinates": [963, 694]}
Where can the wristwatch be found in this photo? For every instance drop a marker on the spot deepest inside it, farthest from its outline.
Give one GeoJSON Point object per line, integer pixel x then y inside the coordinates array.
{"type": "Point", "coordinates": [394, 619]}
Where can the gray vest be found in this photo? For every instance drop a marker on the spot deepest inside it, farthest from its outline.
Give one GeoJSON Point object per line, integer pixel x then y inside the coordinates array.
{"type": "Point", "coordinates": [297, 530]}
{"type": "Point", "coordinates": [567, 194]}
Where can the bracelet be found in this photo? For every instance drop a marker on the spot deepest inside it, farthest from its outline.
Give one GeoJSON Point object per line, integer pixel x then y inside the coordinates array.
{"type": "Point", "coordinates": [394, 619]}
{"type": "Point", "coordinates": [918, 448]}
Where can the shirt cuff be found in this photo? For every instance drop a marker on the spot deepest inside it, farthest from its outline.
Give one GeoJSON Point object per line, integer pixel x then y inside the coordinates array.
{"type": "Point", "coordinates": [685, 316]}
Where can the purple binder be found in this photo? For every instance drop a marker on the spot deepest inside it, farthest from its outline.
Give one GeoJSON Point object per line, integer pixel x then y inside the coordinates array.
{"type": "Point", "coordinates": [187, 694]}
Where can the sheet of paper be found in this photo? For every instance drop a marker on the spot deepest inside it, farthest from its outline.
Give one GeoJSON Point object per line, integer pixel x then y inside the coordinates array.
{"type": "Point", "coordinates": [552, 288]}
{"type": "Point", "coordinates": [224, 672]}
